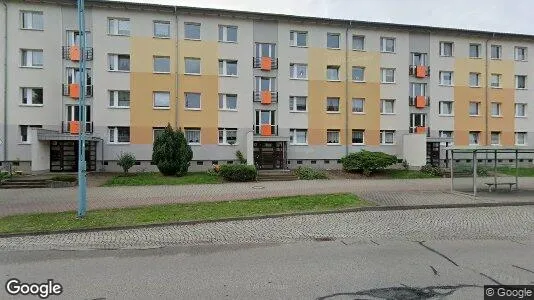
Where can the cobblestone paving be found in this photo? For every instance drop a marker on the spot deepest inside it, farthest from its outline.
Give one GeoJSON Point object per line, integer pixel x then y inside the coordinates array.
{"type": "Point", "coordinates": [516, 223]}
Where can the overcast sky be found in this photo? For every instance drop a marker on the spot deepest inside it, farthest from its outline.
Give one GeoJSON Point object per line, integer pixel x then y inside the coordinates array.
{"type": "Point", "coordinates": [490, 15]}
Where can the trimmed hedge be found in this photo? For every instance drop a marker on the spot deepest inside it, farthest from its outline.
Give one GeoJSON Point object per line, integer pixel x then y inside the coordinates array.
{"type": "Point", "coordinates": [307, 173]}
{"type": "Point", "coordinates": [367, 162]}
{"type": "Point", "coordinates": [240, 173]}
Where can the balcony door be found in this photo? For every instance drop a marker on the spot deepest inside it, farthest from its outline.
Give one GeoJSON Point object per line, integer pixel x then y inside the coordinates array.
{"type": "Point", "coordinates": [419, 59]}
{"type": "Point", "coordinates": [264, 117]}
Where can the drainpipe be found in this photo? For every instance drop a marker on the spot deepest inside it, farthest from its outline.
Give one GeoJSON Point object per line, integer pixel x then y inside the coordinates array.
{"type": "Point", "coordinates": [486, 91]}
{"type": "Point", "coordinates": [177, 72]}
{"type": "Point", "coordinates": [5, 83]}
{"type": "Point", "coordinates": [347, 88]}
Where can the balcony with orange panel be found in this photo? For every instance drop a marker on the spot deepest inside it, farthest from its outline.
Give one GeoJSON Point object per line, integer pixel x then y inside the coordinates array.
{"type": "Point", "coordinates": [265, 63]}
{"type": "Point", "coordinates": [419, 71]}
{"type": "Point", "coordinates": [419, 102]}
{"type": "Point", "coordinates": [74, 53]}
{"type": "Point", "coordinates": [73, 90]}
{"type": "Point", "coordinates": [265, 97]}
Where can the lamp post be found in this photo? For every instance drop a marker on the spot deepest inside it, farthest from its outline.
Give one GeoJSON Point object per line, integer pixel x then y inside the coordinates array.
{"type": "Point", "coordinates": [82, 168]}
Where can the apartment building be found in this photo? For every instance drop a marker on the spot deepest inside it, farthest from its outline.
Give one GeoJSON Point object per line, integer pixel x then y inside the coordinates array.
{"type": "Point", "coordinates": [284, 90]}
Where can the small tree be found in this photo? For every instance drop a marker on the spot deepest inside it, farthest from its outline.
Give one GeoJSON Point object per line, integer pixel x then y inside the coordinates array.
{"type": "Point", "coordinates": [367, 162]}
{"type": "Point", "coordinates": [171, 153]}
{"type": "Point", "coordinates": [126, 160]}
{"type": "Point", "coordinates": [241, 157]}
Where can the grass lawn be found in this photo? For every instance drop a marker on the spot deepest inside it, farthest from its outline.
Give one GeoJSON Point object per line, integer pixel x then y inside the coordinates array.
{"type": "Point", "coordinates": [161, 214]}
{"type": "Point", "coordinates": [405, 174]}
{"type": "Point", "coordinates": [523, 172]}
{"type": "Point", "coordinates": [153, 178]}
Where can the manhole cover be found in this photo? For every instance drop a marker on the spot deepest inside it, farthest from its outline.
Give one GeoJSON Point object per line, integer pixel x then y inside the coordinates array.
{"type": "Point", "coordinates": [258, 187]}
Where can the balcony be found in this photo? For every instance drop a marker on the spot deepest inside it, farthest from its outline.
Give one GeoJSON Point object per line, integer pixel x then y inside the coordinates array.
{"type": "Point", "coordinates": [73, 53]}
{"type": "Point", "coordinates": [73, 127]}
{"type": "Point", "coordinates": [419, 71]}
{"type": "Point", "coordinates": [73, 90]}
{"type": "Point", "coordinates": [419, 101]}
{"type": "Point", "coordinates": [265, 97]}
{"type": "Point", "coordinates": [266, 130]}
{"type": "Point", "coordinates": [420, 130]}
{"type": "Point", "coordinates": [265, 63]}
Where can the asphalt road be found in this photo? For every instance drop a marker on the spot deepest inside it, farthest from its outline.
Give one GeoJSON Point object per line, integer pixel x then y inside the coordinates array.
{"type": "Point", "coordinates": [338, 269]}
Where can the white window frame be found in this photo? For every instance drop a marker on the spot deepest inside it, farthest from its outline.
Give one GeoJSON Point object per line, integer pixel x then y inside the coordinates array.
{"type": "Point", "coordinates": [293, 107]}
{"type": "Point", "coordinates": [516, 108]}
{"type": "Point", "coordinates": [517, 82]}
{"type": "Point", "coordinates": [31, 24]}
{"type": "Point", "coordinates": [186, 59]}
{"type": "Point", "coordinates": [115, 67]}
{"type": "Point", "coordinates": [355, 100]}
{"type": "Point", "coordinates": [352, 137]}
{"type": "Point", "coordinates": [199, 101]}
{"type": "Point", "coordinates": [223, 99]}
{"type": "Point", "coordinates": [499, 52]}
{"type": "Point", "coordinates": [199, 38]}
{"type": "Point", "coordinates": [498, 134]}
{"type": "Point", "coordinates": [383, 44]}
{"type": "Point", "coordinates": [196, 131]}
{"type": "Point", "coordinates": [159, 22]}
{"type": "Point", "coordinates": [383, 138]}
{"type": "Point", "coordinates": [154, 134]}
{"type": "Point", "coordinates": [293, 38]}
{"type": "Point", "coordinates": [258, 83]}
{"type": "Point", "coordinates": [113, 135]}
{"type": "Point", "coordinates": [516, 53]}
{"type": "Point", "coordinates": [333, 131]}
{"type": "Point", "coordinates": [223, 67]}
{"type": "Point", "coordinates": [293, 133]}
{"type": "Point", "coordinates": [383, 106]}
{"type": "Point", "coordinates": [115, 95]}
{"type": "Point", "coordinates": [116, 30]}
{"type": "Point", "coordinates": [443, 104]}
{"type": "Point", "coordinates": [442, 49]}
{"type": "Point", "coordinates": [294, 71]}
{"type": "Point", "coordinates": [448, 134]}
{"type": "Point", "coordinates": [332, 67]}
{"type": "Point", "coordinates": [358, 36]}
{"type": "Point", "coordinates": [477, 107]}
{"type": "Point", "coordinates": [328, 34]}
{"type": "Point", "coordinates": [498, 77]}
{"type": "Point", "coordinates": [156, 94]}
{"type": "Point", "coordinates": [225, 131]}
{"type": "Point", "coordinates": [27, 93]}
{"type": "Point", "coordinates": [479, 46]}
{"type": "Point", "coordinates": [442, 78]}
{"type": "Point", "coordinates": [338, 105]}
{"type": "Point", "coordinates": [154, 64]}
{"type": "Point", "coordinates": [223, 38]}
{"type": "Point", "coordinates": [28, 128]}
{"type": "Point", "coordinates": [476, 135]}
{"type": "Point", "coordinates": [477, 77]}
{"type": "Point", "coordinates": [524, 134]}
{"type": "Point", "coordinates": [497, 105]}
{"type": "Point", "coordinates": [27, 54]}
{"type": "Point", "coordinates": [383, 72]}
{"type": "Point", "coordinates": [363, 73]}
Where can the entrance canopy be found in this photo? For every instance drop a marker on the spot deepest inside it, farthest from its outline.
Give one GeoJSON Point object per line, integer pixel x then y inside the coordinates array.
{"type": "Point", "coordinates": [482, 165]}
{"type": "Point", "coordinates": [51, 135]}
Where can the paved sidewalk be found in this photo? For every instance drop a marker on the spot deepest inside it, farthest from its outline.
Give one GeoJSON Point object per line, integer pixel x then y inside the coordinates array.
{"type": "Point", "coordinates": [381, 191]}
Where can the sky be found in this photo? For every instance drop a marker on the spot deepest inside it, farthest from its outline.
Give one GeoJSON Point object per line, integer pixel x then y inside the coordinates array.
{"type": "Point", "coordinates": [488, 15]}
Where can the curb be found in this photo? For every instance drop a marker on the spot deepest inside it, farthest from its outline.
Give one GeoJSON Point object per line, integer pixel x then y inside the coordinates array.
{"type": "Point", "coordinates": [274, 216]}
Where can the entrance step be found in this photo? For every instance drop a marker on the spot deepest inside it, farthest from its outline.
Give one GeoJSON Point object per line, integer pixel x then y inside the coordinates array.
{"type": "Point", "coordinates": [23, 184]}
{"type": "Point", "coordinates": [276, 175]}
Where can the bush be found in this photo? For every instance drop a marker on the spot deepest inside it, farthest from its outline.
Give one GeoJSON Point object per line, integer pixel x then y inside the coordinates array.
{"type": "Point", "coordinates": [64, 178]}
{"type": "Point", "coordinates": [367, 162]}
{"type": "Point", "coordinates": [171, 153]}
{"type": "Point", "coordinates": [240, 157]}
{"type": "Point", "coordinates": [405, 164]}
{"type": "Point", "coordinates": [432, 170]}
{"type": "Point", "coordinates": [126, 161]}
{"type": "Point", "coordinates": [307, 173]}
{"type": "Point", "coordinates": [239, 173]}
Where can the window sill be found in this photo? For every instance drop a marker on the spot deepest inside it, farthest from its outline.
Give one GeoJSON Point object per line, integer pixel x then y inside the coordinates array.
{"type": "Point", "coordinates": [475, 86]}
{"type": "Point", "coordinates": [31, 105]}
{"type": "Point", "coordinates": [31, 29]}
{"type": "Point", "coordinates": [192, 39]}
{"type": "Point", "coordinates": [298, 111]}
{"type": "Point", "coordinates": [521, 60]}
{"type": "Point", "coordinates": [31, 67]}
{"type": "Point", "coordinates": [387, 144]}
{"type": "Point", "coordinates": [123, 35]}
{"type": "Point", "coordinates": [226, 144]}
{"type": "Point", "coordinates": [359, 81]}
{"type": "Point", "coordinates": [388, 82]}
{"type": "Point", "coordinates": [231, 76]}
{"type": "Point", "coordinates": [297, 46]}
{"type": "Point", "coordinates": [299, 144]}
{"type": "Point", "coordinates": [492, 58]}
{"type": "Point", "coordinates": [358, 113]}
{"type": "Point", "coordinates": [496, 116]}
{"type": "Point", "coordinates": [333, 48]}
{"type": "Point", "coordinates": [333, 80]}
{"type": "Point", "coordinates": [358, 144]}
{"type": "Point", "coordinates": [475, 116]}
{"type": "Point", "coordinates": [118, 144]}
{"type": "Point", "coordinates": [162, 37]}
{"type": "Point", "coordinates": [443, 115]}
{"type": "Point", "coordinates": [161, 73]}
{"type": "Point", "coordinates": [446, 85]}
{"type": "Point", "coordinates": [192, 74]}
{"type": "Point", "coordinates": [478, 57]}
{"type": "Point", "coordinates": [24, 143]}
{"type": "Point", "coordinates": [446, 55]}
{"type": "Point", "coordinates": [195, 144]}
{"type": "Point", "coordinates": [388, 52]}
{"type": "Point", "coordinates": [119, 107]}
{"type": "Point", "coordinates": [388, 114]}
{"type": "Point", "coordinates": [161, 108]}
{"type": "Point", "coordinates": [228, 42]}
{"type": "Point", "coordinates": [521, 89]}
{"type": "Point", "coordinates": [521, 117]}
{"type": "Point", "coordinates": [333, 144]}
{"type": "Point", "coordinates": [301, 79]}
{"type": "Point", "coordinates": [118, 71]}
{"type": "Point", "coordinates": [521, 145]}
{"type": "Point", "coordinates": [333, 112]}
{"type": "Point", "coordinates": [496, 87]}
{"type": "Point", "coordinates": [227, 109]}
{"type": "Point", "coordinates": [193, 109]}
{"type": "Point", "coordinates": [359, 50]}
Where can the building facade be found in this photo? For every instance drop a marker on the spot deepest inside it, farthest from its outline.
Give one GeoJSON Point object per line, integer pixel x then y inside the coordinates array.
{"type": "Point", "coordinates": [284, 90]}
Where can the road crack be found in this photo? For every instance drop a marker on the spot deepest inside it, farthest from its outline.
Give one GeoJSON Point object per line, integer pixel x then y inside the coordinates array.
{"type": "Point", "coordinates": [438, 253]}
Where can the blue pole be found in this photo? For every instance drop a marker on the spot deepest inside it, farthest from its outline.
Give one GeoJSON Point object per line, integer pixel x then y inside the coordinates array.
{"type": "Point", "coordinates": [82, 168]}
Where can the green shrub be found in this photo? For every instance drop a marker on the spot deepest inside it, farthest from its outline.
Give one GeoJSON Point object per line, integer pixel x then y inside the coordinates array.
{"type": "Point", "coordinates": [240, 157]}
{"type": "Point", "coordinates": [238, 172]}
{"type": "Point", "coordinates": [307, 173]}
{"type": "Point", "coordinates": [405, 164]}
{"type": "Point", "coordinates": [126, 161]}
{"type": "Point", "coordinates": [367, 162]}
{"type": "Point", "coordinates": [171, 152]}
{"type": "Point", "coordinates": [64, 178]}
{"type": "Point", "coordinates": [432, 170]}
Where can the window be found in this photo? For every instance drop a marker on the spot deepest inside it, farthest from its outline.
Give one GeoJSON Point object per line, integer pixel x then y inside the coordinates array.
{"type": "Point", "coordinates": [162, 99]}
{"type": "Point", "coordinates": [520, 53]}
{"type": "Point", "coordinates": [227, 67]}
{"type": "Point", "coordinates": [474, 50]}
{"type": "Point", "coordinates": [495, 109]}
{"type": "Point", "coordinates": [119, 135]}
{"type": "Point", "coordinates": [419, 59]}
{"type": "Point", "coordinates": [192, 31]}
{"type": "Point", "coordinates": [447, 134]}
{"type": "Point", "coordinates": [388, 75]}
{"type": "Point", "coordinates": [387, 44]}
{"type": "Point", "coordinates": [119, 99]}
{"type": "Point", "coordinates": [387, 106]}
{"type": "Point", "coordinates": [192, 101]}
{"type": "Point", "coordinates": [332, 73]}
{"type": "Point", "coordinates": [332, 136]}
{"type": "Point", "coordinates": [520, 110]}
{"type": "Point", "coordinates": [474, 108]}
{"type": "Point", "coordinates": [358, 137]}
{"type": "Point", "coordinates": [358, 105]}
{"type": "Point", "coordinates": [358, 42]}
{"type": "Point", "coordinates": [387, 137]}
{"type": "Point", "coordinates": [119, 26]}
{"type": "Point", "coordinates": [298, 38]}
{"type": "Point", "coordinates": [445, 78]}
{"type": "Point", "coordinates": [446, 48]}
{"type": "Point", "coordinates": [227, 34]}
{"type": "Point", "coordinates": [495, 138]}
{"type": "Point", "coordinates": [446, 108]}
{"type": "Point", "coordinates": [474, 79]}
{"type": "Point", "coordinates": [192, 66]}
{"type": "Point", "coordinates": [119, 62]}
{"type": "Point", "coordinates": [358, 74]}
{"type": "Point", "coordinates": [32, 96]}
{"type": "Point", "coordinates": [496, 80]}
{"type": "Point", "coordinates": [417, 89]}
{"type": "Point", "coordinates": [156, 132]}
{"type": "Point", "coordinates": [298, 71]}
{"type": "Point", "coordinates": [227, 102]}
{"type": "Point", "coordinates": [520, 81]}
{"type": "Point", "coordinates": [192, 135]}
{"type": "Point", "coordinates": [25, 131]}
{"type": "Point", "coordinates": [496, 52]}
{"type": "Point", "coordinates": [32, 20]}
{"type": "Point", "coordinates": [298, 136]}
{"type": "Point", "coordinates": [297, 104]}
{"type": "Point", "coordinates": [521, 138]}
{"type": "Point", "coordinates": [265, 84]}
{"type": "Point", "coordinates": [162, 29]}
{"type": "Point", "coordinates": [332, 104]}
{"type": "Point", "coordinates": [227, 136]}
{"type": "Point", "coordinates": [162, 64]}
{"type": "Point", "coordinates": [32, 58]}
{"type": "Point", "coordinates": [474, 137]}
{"type": "Point", "coordinates": [265, 50]}
{"type": "Point", "coordinates": [332, 40]}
